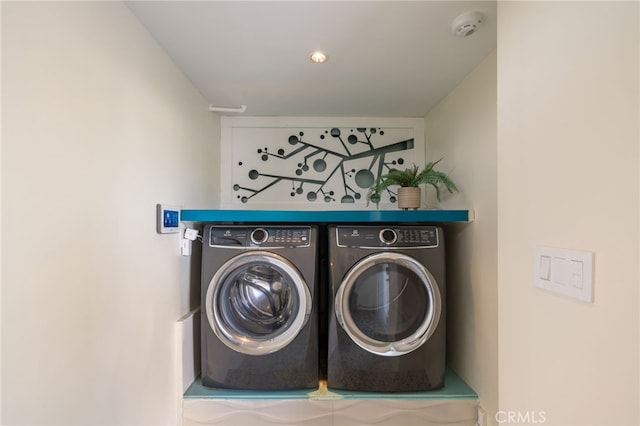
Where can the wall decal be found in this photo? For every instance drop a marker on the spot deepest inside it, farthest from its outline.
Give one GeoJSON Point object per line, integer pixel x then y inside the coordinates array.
{"type": "Point", "coordinates": [329, 167]}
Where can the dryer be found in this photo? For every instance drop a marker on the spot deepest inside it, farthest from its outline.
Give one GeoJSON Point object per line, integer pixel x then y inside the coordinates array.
{"type": "Point", "coordinates": [387, 308]}
{"type": "Point", "coordinates": [259, 316]}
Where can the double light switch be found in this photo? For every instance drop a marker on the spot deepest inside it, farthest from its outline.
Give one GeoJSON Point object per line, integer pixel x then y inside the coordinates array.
{"type": "Point", "coordinates": [567, 272]}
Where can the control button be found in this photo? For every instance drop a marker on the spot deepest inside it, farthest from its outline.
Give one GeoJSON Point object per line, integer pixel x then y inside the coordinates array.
{"type": "Point", "coordinates": [259, 236]}
{"type": "Point", "coordinates": [388, 236]}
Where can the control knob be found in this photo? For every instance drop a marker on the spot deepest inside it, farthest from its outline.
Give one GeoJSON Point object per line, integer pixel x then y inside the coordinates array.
{"type": "Point", "coordinates": [388, 236]}
{"type": "Point", "coordinates": [259, 236]}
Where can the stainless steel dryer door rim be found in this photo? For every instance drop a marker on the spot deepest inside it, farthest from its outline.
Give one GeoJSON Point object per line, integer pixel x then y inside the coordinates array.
{"type": "Point", "coordinates": [383, 348]}
{"type": "Point", "coordinates": [243, 342]}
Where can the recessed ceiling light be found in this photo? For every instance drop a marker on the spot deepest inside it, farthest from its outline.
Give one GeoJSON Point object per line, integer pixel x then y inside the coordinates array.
{"type": "Point", "coordinates": [318, 57]}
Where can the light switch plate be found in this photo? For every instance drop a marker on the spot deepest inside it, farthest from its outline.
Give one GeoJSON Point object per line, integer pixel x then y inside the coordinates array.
{"type": "Point", "coordinates": [566, 272]}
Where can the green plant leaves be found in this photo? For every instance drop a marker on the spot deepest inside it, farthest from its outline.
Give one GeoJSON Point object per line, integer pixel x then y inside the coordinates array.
{"type": "Point", "coordinates": [412, 177]}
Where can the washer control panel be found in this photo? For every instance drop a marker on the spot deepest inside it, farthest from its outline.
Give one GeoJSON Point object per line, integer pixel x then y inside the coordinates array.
{"type": "Point", "coordinates": [266, 237]}
{"type": "Point", "coordinates": [391, 236]}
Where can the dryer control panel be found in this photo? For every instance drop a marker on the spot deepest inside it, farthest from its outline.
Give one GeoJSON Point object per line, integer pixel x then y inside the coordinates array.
{"type": "Point", "coordinates": [391, 236]}
{"type": "Point", "coordinates": [264, 237]}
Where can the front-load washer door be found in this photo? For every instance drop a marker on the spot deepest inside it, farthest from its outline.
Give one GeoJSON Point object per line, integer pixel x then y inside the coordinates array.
{"type": "Point", "coordinates": [388, 303]}
{"type": "Point", "coordinates": [257, 303]}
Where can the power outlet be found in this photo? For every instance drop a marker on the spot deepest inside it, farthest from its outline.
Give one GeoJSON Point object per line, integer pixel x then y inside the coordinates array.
{"type": "Point", "coordinates": [185, 246]}
{"type": "Point", "coordinates": [191, 234]}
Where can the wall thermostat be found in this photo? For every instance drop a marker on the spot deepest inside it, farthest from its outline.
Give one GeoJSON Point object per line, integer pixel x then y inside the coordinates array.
{"type": "Point", "coordinates": [168, 219]}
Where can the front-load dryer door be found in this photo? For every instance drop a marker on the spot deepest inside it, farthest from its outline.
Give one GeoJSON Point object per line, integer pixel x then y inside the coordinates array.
{"type": "Point", "coordinates": [257, 303]}
{"type": "Point", "coordinates": [388, 303]}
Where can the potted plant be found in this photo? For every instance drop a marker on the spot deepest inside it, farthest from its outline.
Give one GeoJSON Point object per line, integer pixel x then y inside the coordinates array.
{"type": "Point", "coordinates": [409, 181]}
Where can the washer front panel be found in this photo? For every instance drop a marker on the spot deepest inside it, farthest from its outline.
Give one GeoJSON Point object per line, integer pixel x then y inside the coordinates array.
{"type": "Point", "coordinates": [270, 237]}
{"type": "Point", "coordinates": [257, 302]}
{"type": "Point", "coordinates": [388, 303]}
{"type": "Point", "coordinates": [375, 237]}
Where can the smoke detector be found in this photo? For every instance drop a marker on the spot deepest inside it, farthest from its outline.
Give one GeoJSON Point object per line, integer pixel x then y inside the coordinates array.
{"type": "Point", "coordinates": [467, 24]}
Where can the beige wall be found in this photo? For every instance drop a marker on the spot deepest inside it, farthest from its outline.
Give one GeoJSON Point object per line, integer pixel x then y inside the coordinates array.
{"type": "Point", "coordinates": [98, 125]}
{"type": "Point", "coordinates": [568, 138]}
{"type": "Point", "coordinates": [462, 129]}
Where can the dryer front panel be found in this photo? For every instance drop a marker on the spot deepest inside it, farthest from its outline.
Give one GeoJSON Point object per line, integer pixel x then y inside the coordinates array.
{"type": "Point", "coordinates": [257, 303]}
{"type": "Point", "coordinates": [388, 303]}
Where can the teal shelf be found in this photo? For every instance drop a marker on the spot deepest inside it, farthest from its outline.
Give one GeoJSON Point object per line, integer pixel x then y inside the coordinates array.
{"type": "Point", "coordinates": [454, 388]}
{"type": "Point", "coordinates": [327, 216]}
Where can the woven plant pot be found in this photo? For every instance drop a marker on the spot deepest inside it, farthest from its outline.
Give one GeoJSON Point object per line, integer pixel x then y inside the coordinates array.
{"type": "Point", "coordinates": [409, 197]}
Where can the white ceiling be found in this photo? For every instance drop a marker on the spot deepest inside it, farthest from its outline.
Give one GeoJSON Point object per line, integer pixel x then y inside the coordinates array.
{"type": "Point", "coordinates": [386, 58]}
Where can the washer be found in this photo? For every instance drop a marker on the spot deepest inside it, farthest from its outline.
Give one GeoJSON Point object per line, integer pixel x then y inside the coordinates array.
{"type": "Point", "coordinates": [387, 319]}
{"type": "Point", "coordinates": [259, 320]}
